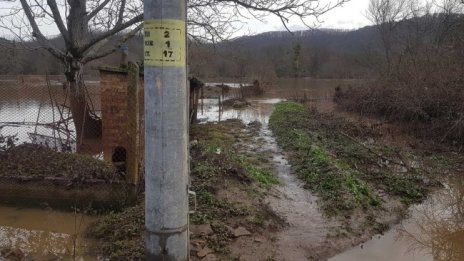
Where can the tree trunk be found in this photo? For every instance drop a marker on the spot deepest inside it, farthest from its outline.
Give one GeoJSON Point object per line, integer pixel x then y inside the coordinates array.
{"type": "Point", "coordinates": [87, 126]}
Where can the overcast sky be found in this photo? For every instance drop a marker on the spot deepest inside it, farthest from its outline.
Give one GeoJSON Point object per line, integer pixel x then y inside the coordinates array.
{"type": "Point", "coordinates": [348, 16]}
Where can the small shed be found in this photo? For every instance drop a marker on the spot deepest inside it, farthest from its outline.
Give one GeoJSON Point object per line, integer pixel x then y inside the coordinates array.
{"type": "Point", "coordinates": [122, 105]}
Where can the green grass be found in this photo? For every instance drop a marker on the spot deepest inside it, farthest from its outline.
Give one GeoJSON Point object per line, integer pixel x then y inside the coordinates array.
{"type": "Point", "coordinates": [335, 183]}
{"type": "Point", "coordinates": [331, 156]}
{"type": "Point", "coordinates": [259, 174]}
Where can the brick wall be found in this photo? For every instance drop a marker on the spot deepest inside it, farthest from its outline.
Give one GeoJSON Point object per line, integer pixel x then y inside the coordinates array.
{"type": "Point", "coordinates": [115, 108]}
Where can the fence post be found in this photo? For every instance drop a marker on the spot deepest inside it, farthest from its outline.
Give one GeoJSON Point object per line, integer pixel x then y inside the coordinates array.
{"type": "Point", "coordinates": [133, 124]}
{"type": "Point", "coordinates": [166, 130]}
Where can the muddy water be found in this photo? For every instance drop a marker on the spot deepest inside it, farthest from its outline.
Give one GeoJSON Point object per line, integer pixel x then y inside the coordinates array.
{"type": "Point", "coordinates": [434, 231]}
{"type": "Point", "coordinates": [307, 228]}
{"type": "Point", "coordinates": [44, 234]}
{"type": "Point", "coordinates": [25, 104]}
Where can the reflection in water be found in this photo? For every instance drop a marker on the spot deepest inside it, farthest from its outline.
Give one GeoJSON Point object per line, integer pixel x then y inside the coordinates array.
{"type": "Point", "coordinates": [43, 232]}
{"type": "Point", "coordinates": [39, 113]}
{"type": "Point", "coordinates": [440, 224]}
{"type": "Point", "coordinates": [435, 231]}
{"type": "Point", "coordinates": [259, 111]}
{"type": "Point", "coordinates": [318, 91]}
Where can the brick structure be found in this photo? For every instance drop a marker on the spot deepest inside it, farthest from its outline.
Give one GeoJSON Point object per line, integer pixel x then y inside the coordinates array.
{"type": "Point", "coordinates": [123, 116]}
{"type": "Point", "coordinates": [122, 137]}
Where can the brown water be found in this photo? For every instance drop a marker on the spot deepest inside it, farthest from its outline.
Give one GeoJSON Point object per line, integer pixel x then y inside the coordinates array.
{"type": "Point", "coordinates": [40, 232]}
{"type": "Point", "coordinates": [23, 103]}
{"type": "Point", "coordinates": [47, 233]}
{"type": "Point", "coordinates": [434, 230]}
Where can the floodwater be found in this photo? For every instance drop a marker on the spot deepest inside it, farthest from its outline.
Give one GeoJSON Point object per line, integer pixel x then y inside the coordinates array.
{"type": "Point", "coordinates": [319, 93]}
{"type": "Point", "coordinates": [433, 230]}
{"type": "Point", "coordinates": [41, 232]}
{"type": "Point", "coordinates": [48, 233]}
{"type": "Point", "coordinates": [30, 109]}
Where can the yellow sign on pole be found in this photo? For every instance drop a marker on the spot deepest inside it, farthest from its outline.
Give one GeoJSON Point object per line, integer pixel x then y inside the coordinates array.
{"type": "Point", "coordinates": [164, 43]}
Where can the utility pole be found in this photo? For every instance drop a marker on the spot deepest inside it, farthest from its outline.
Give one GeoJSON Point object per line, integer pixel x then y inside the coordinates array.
{"type": "Point", "coordinates": [166, 130]}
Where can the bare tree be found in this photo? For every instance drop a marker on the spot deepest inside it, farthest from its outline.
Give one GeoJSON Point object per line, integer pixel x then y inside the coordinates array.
{"type": "Point", "coordinates": [385, 14]}
{"type": "Point", "coordinates": [92, 29]}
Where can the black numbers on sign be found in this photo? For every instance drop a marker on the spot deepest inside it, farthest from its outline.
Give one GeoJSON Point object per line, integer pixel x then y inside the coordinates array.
{"type": "Point", "coordinates": [167, 54]}
{"type": "Point", "coordinates": [147, 53]}
{"type": "Point", "coordinates": [147, 34]}
{"type": "Point", "coordinates": [148, 43]}
{"type": "Point", "coordinates": [166, 34]}
{"type": "Point", "coordinates": [168, 44]}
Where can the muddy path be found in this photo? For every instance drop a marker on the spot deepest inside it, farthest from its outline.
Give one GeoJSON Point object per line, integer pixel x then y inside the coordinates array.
{"type": "Point", "coordinates": [305, 235]}
{"type": "Point", "coordinates": [309, 234]}
{"type": "Point", "coordinates": [307, 228]}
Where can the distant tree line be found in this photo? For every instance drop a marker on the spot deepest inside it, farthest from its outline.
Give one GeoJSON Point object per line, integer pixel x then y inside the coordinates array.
{"type": "Point", "coordinates": [319, 53]}
{"type": "Point", "coordinates": [420, 73]}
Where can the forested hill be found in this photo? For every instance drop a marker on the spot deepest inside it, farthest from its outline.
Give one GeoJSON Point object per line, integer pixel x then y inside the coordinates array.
{"type": "Point", "coordinates": [323, 53]}
{"type": "Point", "coordinates": [317, 53]}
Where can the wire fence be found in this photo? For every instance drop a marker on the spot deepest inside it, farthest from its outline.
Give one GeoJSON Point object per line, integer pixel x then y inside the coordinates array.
{"type": "Point", "coordinates": [46, 152]}
{"type": "Point", "coordinates": [73, 136]}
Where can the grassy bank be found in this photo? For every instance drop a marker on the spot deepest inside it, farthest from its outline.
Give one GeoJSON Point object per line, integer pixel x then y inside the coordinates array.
{"type": "Point", "coordinates": [344, 166]}
{"type": "Point", "coordinates": [230, 185]}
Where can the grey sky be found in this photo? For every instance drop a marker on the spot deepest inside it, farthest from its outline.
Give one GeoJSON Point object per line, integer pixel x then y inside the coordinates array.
{"type": "Point", "coordinates": [348, 16]}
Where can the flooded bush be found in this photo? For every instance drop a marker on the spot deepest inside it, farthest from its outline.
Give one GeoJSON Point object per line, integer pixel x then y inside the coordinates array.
{"type": "Point", "coordinates": [430, 111]}
{"type": "Point", "coordinates": [420, 83]}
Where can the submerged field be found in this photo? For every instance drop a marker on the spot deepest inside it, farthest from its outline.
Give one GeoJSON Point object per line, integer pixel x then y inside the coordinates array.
{"type": "Point", "coordinates": [352, 172]}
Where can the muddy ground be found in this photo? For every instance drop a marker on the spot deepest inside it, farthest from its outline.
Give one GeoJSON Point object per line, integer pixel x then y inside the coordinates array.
{"type": "Point", "coordinates": [363, 183]}
{"type": "Point", "coordinates": [313, 187]}
{"type": "Point", "coordinates": [232, 220]}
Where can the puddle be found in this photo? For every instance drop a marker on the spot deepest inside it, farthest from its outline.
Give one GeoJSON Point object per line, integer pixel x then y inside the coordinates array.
{"type": "Point", "coordinates": [434, 231]}
{"type": "Point", "coordinates": [46, 233]}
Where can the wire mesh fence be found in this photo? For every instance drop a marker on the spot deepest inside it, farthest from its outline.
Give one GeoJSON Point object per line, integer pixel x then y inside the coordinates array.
{"type": "Point", "coordinates": [49, 156]}
{"type": "Point", "coordinates": [37, 109]}
{"type": "Point", "coordinates": [52, 129]}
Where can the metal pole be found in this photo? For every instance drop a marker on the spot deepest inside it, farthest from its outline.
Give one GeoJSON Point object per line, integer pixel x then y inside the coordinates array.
{"type": "Point", "coordinates": [166, 130]}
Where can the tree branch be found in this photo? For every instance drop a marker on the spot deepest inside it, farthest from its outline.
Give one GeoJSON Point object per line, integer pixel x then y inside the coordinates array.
{"type": "Point", "coordinates": [93, 55]}
{"type": "Point", "coordinates": [121, 12]}
{"type": "Point", "coordinates": [58, 20]}
{"type": "Point", "coordinates": [38, 34]}
{"type": "Point", "coordinates": [98, 9]}
{"type": "Point", "coordinates": [115, 30]}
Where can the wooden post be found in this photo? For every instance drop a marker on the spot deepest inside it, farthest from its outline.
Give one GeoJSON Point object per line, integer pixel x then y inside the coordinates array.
{"type": "Point", "coordinates": [133, 125]}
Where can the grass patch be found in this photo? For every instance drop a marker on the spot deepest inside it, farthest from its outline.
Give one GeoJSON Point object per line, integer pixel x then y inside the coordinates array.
{"type": "Point", "coordinates": [325, 152]}
{"type": "Point", "coordinates": [121, 234]}
{"type": "Point", "coordinates": [261, 175]}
